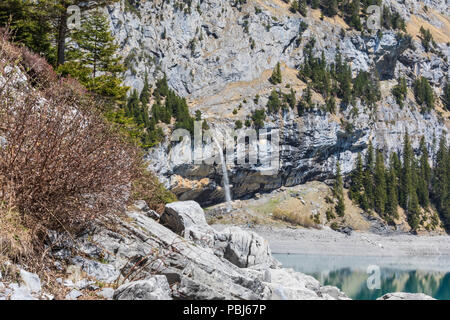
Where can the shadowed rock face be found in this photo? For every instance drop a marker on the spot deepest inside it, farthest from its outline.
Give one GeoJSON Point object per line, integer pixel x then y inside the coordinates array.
{"type": "Point", "coordinates": [387, 56]}
{"type": "Point", "coordinates": [309, 150]}
{"type": "Point", "coordinates": [219, 72]}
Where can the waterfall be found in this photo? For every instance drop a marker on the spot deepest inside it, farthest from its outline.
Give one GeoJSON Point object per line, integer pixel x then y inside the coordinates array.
{"type": "Point", "coordinates": [226, 184]}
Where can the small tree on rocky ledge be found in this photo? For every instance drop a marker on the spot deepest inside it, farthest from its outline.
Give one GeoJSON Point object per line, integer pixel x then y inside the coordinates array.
{"type": "Point", "coordinates": [276, 75]}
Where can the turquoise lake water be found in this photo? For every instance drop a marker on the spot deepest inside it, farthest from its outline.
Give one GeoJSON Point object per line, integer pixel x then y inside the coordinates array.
{"type": "Point", "coordinates": [368, 278]}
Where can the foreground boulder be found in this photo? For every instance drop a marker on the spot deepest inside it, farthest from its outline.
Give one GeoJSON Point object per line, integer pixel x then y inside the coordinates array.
{"type": "Point", "coordinates": [187, 219]}
{"type": "Point", "coordinates": [154, 288]}
{"type": "Point", "coordinates": [288, 284]}
{"type": "Point", "coordinates": [405, 296]}
{"type": "Point", "coordinates": [244, 248]}
{"type": "Point", "coordinates": [182, 215]}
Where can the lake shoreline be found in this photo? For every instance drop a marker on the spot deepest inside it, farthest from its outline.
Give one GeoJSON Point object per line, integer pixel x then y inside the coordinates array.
{"type": "Point", "coordinates": [328, 242]}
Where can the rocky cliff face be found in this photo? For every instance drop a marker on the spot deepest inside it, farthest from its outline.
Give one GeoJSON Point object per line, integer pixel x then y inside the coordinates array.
{"type": "Point", "coordinates": [219, 56]}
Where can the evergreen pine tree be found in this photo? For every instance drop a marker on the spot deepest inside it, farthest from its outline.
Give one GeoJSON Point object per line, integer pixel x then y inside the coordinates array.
{"type": "Point", "coordinates": [380, 195]}
{"type": "Point", "coordinates": [369, 167]}
{"type": "Point", "coordinates": [391, 192]}
{"type": "Point", "coordinates": [330, 7]}
{"type": "Point", "coordinates": [357, 179]}
{"type": "Point", "coordinates": [405, 176]}
{"type": "Point", "coordinates": [354, 20]}
{"type": "Point", "coordinates": [441, 181]}
{"type": "Point", "coordinates": [446, 96]}
{"type": "Point", "coordinates": [276, 75]}
{"type": "Point", "coordinates": [338, 192]}
{"type": "Point", "coordinates": [29, 22]}
{"type": "Point", "coordinates": [331, 105]}
{"type": "Point", "coordinates": [294, 6]}
{"type": "Point", "coordinates": [314, 4]}
{"type": "Point", "coordinates": [413, 211]}
{"type": "Point", "coordinates": [302, 7]}
{"type": "Point", "coordinates": [426, 39]}
{"type": "Point", "coordinates": [145, 93]}
{"type": "Point", "coordinates": [399, 91]}
{"type": "Point", "coordinates": [424, 176]}
{"type": "Point", "coordinates": [343, 76]}
{"type": "Point", "coordinates": [395, 163]}
{"type": "Point", "coordinates": [409, 200]}
{"type": "Point", "coordinates": [133, 109]}
{"type": "Point", "coordinates": [93, 58]}
{"type": "Point", "coordinates": [424, 94]}
{"type": "Point", "coordinates": [273, 104]}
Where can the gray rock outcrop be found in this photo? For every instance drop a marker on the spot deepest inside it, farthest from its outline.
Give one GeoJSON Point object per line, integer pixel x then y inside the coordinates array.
{"type": "Point", "coordinates": [31, 281]}
{"type": "Point", "coordinates": [141, 249]}
{"type": "Point", "coordinates": [154, 263]}
{"type": "Point", "coordinates": [243, 248]}
{"type": "Point", "coordinates": [187, 219]}
{"type": "Point", "coordinates": [154, 288]}
{"type": "Point", "coordinates": [405, 296]}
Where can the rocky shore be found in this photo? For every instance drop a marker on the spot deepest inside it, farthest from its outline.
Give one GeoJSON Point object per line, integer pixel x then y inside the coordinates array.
{"type": "Point", "coordinates": [176, 256]}
{"type": "Point", "coordinates": [326, 241]}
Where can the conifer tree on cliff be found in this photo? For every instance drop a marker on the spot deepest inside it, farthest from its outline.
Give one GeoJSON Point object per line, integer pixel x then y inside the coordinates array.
{"type": "Point", "coordinates": [446, 95]}
{"type": "Point", "coordinates": [276, 75]}
{"type": "Point", "coordinates": [368, 199]}
{"type": "Point", "coordinates": [391, 191]}
{"type": "Point", "coordinates": [93, 57]}
{"type": "Point", "coordinates": [424, 175]}
{"type": "Point", "coordinates": [60, 7]}
{"type": "Point", "coordinates": [380, 184]}
{"type": "Point", "coordinates": [408, 195]}
{"type": "Point", "coordinates": [441, 182]}
{"type": "Point", "coordinates": [357, 179]}
{"type": "Point", "coordinates": [330, 7]}
{"type": "Point", "coordinates": [338, 192]}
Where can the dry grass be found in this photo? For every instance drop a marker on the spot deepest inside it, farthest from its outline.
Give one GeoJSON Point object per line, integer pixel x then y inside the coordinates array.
{"type": "Point", "coordinates": [294, 218]}
{"type": "Point", "coordinates": [336, 20]}
{"type": "Point", "coordinates": [15, 238]}
{"type": "Point", "coordinates": [441, 35]}
{"type": "Point", "coordinates": [276, 7]}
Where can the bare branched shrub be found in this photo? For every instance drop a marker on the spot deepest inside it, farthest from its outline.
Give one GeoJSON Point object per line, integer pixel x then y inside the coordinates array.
{"type": "Point", "coordinates": [60, 162]}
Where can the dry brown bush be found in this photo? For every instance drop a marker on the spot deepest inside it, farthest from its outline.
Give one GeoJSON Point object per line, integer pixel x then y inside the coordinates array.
{"type": "Point", "coordinates": [61, 164]}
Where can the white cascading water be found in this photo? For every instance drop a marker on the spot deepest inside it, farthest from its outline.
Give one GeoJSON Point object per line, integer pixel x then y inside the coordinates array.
{"type": "Point", "coordinates": [226, 184]}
